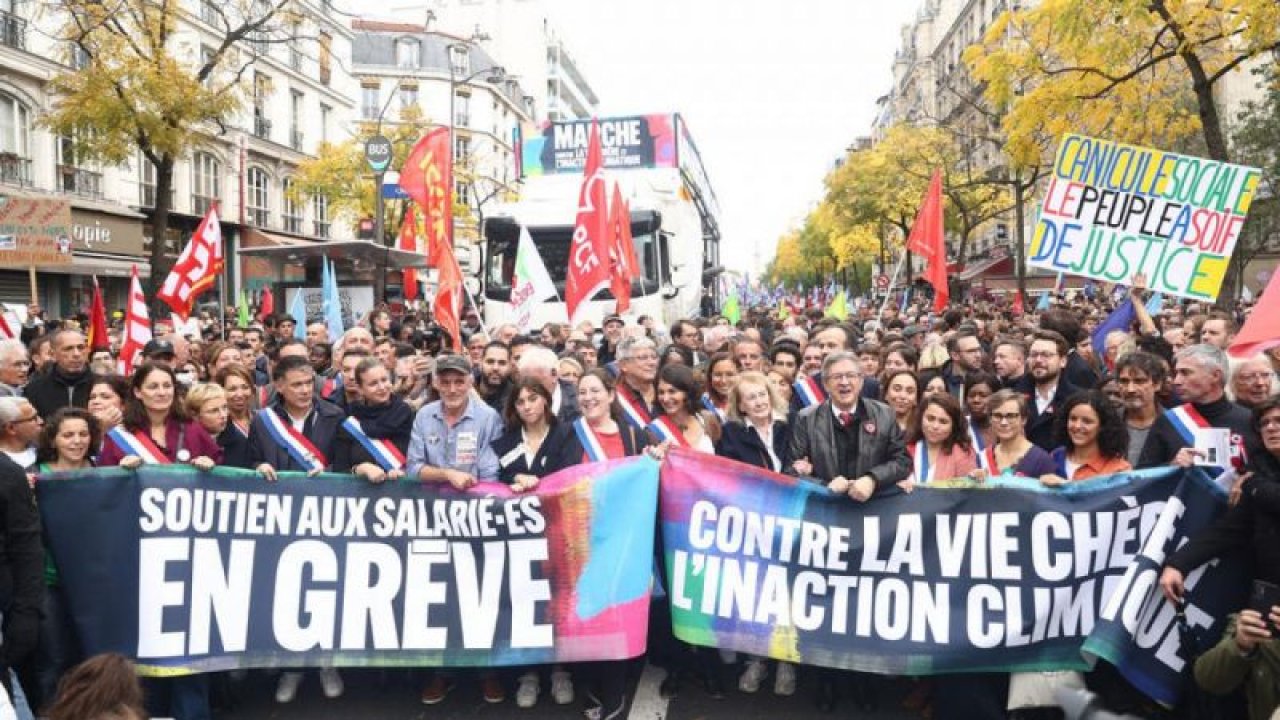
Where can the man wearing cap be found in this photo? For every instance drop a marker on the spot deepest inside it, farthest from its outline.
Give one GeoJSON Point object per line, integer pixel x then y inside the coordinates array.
{"type": "Point", "coordinates": [68, 381]}
{"type": "Point", "coordinates": [612, 336]}
{"type": "Point", "coordinates": [160, 352]}
{"type": "Point", "coordinates": [452, 443]}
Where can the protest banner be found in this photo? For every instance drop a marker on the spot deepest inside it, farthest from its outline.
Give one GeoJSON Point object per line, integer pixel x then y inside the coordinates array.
{"type": "Point", "coordinates": [942, 580]}
{"type": "Point", "coordinates": [1112, 210]}
{"type": "Point", "coordinates": [186, 571]}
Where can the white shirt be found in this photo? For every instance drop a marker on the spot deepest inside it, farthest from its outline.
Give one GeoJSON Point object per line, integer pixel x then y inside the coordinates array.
{"type": "Point", "coordinates": [766, 437]}
{"type": "Point", "coordinates": [1044, 401]}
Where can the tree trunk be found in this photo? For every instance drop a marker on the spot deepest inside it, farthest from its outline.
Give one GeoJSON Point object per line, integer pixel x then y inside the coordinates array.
{"type": "Point", "coordinates": [1216, 143]}
{"type": "Point", "coordinates": [160, 264]}
{"type": "Point", "coordinates": [1020, 257]}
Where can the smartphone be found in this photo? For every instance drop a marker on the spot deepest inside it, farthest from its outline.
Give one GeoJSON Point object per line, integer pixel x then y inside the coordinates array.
{"type": "Point", "coordinates": [1264, 596]}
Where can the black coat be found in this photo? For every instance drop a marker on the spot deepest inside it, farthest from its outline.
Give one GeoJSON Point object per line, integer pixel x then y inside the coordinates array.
{"type": "Point", "coordinates": [742, 443]}
{"type": "Point", "coordinates": [235, 448]}
{"type": "Point", "coordinates": [53, 391]}
{"type": "Point", "coordinates": [882, 451]}
{"type": "Point", "coordinates": [568, 402]}
{"type": "Point", "coordinates": [392, 421]}
{"type": "Point", "coordinates": [556, 453]}
{"type": "Point", "coordinates": [322, 428]}
{"type": "Point", "coordinates": [21, 565]}
{"type": "Point", "coordinates": [1165, 441]}
{"type": "Point", "coordinates": [870, 389]}
{"type": "Point", "coordinates": [1040, 424]}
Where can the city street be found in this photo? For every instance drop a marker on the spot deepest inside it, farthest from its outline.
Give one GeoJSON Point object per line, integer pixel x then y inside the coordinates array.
{"type": "Point", "coordinates": [378, 694]}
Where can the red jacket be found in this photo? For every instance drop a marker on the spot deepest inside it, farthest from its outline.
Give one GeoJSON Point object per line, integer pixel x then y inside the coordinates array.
{"type": "Point", "coordinates": [188, 435]}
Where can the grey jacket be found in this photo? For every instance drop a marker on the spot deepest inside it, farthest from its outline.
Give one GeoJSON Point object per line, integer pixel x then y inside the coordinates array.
{"type": "Point", "coordinates": [882, 452]}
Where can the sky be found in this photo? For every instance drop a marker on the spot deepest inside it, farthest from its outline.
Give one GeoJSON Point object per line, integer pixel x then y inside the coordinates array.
{"type": "Point", "coordinates": [774, 92]}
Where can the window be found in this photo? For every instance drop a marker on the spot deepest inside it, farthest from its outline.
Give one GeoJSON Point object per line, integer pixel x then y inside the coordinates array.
{"type": "Point", "coordinates": [320, 215]}
{"type": "Point", "coordinates": [325, 40]}
{"type": "Point", "coordinates": [295, 119]}
{"type": "Point", "coordinates": [460, 60]}
{"type": "Point", "coordinates": [15, 141]}
{"type": "Point", "coordinates": [259, 198]}
{"type": "Point", "coordinates": [206, 57]}
{"type": "Point", "coordinates": [147, 182]}
{"type": "Point", "coordinates": [77, 57]}
{"type": "Point", "coordinates": [206, 182]}
{"type": "Point", "coordinates": [462, 193]}
{"type": "Point", "coordinates": [72, 176]}
{"type": "Point", "coordinates": [370, 104]}
{"type": "Point", "coordinates": [261, 95]}
{"type": "Point", "coordinates": [292, 211]}
{"type": "Point", "coordinates": [210, 13]}
{"type": "Point", "coordinates": [295, 46]}
{"type": "Point", "coordinates": [462, 109]}
{"type": "Point", "coordinates": [461, 149]}
{"type": "Point", "coordinates": [325, 112]}
{"type": "Point", "coordinates": [408, 96]}
{"type": "Point", "coordinates": [407, 53]}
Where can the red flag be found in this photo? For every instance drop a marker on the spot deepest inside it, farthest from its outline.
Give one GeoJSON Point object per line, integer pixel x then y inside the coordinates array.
{"type": "Point", "coordinates": [427, 176]}
{"type": "Point", "coordinates": [98, 338]}
{"type": "Point", "coordinates": [588, 271]}
{"type": "Point", "coordinates": [622, 254]}
{"type": "Point", "coordinates": [927, 241]}
{"type": "Point", "coordinates": [1018, 307]}
{"type": "Point", "coordinates": [267, 306]}
{"type": "Point", "coordinates": [448, 306]}
{"type": "Point", "coordinates": [197, 268]}
{"type": "Point", "coordinates": [1261, 331]}
{"type": "Point", "coordinates": [409, 241]}
{"type": "Point", "coordinates": [137, 326]}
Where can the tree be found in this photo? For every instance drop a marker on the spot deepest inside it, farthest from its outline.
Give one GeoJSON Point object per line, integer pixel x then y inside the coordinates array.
{"type": "Point", "coordinates": [1256, 139]}
{"type": "Point", "coordinates": [138, 87]}
{"type": "Point", "coordinates": [1139, 71]}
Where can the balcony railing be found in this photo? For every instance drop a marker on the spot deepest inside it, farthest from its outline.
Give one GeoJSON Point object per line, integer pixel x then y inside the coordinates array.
{"type": "Point", "coordinates": [259, 217]}
{"type": "Point", "coordinates": [462, 119]}
{"type": "Point", "coordinates": [80, 181]}
{"type": "Point", "coordinates": [149, 195]}
{"type": "Point", "coordinates": [13, 30]}
{"type": "Point", "coordinates": [295, 139]}
{"type": "Point", "coordinates": [321, 228]}
{"type": "Point", "coordinates": [262, 127]}
{"type": "Point", "coordinates": [293, 224]}
{"type": "Point", "coordinates": [15, 170]}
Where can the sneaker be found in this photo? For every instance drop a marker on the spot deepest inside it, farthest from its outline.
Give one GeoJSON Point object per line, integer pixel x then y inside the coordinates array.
{"type": "Point", "coordinates": [331, 683]}
{"type": "Point", "coordinates": [287, 687]}
{"type": "Point", "coordinates": [784, 681]}
{"type": "Point", "coordinates": [436, 690]}
{"type": "Point", "coordinates": [561, 687]}
{"type": "Point", "coordinates": [527, 691]}
{"type": "Point", "coordinates": [491, 690]}
{"type": "Point", "coordinates": [752, 676]}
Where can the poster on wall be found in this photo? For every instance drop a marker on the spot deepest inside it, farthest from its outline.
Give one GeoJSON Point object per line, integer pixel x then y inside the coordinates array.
{"type": "Point", "coordinates": [357, 303]}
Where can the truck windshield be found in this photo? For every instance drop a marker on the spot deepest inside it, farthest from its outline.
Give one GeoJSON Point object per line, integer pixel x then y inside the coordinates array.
{"type": "Point", "coordinates": [553, 245]}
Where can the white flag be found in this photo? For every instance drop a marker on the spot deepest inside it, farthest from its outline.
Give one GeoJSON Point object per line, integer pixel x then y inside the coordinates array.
{"type": "Point", "coordinates": [531, 283]}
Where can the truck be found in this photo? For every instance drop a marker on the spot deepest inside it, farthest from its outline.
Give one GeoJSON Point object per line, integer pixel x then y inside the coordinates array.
{"type": "Point", "coordinates": [674, 217]}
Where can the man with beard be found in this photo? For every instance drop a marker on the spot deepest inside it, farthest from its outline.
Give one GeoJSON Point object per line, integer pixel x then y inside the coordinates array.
{"type": "Point", "coordinates": [495, 375]}
{"type": "Point", "coordinates": [1049, 389]}
{"type": "Point", "coordinates": [608, 351]}
{"type": "Point", "coordinates": [1140, 375]}
{"type": "Point", "coordinates": [1200, 379]}
{"type": "Point", "coordinates": [1075, 369]}
{"type": "Point", "coordinates": [966, 356]}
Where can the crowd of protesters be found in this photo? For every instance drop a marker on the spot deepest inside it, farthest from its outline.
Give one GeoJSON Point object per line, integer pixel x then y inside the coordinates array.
{"type": "Point", "coordinates": [865, 405]}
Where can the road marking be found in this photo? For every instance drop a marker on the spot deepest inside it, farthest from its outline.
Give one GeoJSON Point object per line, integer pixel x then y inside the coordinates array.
{"type": "Point", "coordinates": [649, 703]}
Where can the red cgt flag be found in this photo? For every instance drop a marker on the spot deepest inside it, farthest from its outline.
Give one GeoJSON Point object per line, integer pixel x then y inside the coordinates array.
{"type": "Point", "coordinates": [622, 253]}
{"type": "Point", "coordinates": [589, 270]}
{"type": "Point", "coordinates": [927, 241]}
{"type": "Point", "coordinates": [267, 305]}
{"type": "Point", "coordinates": [137, 327]}
{"type": "Point", "coordinates": [197, 268]}
{"type": "Point", "coordinates": [98, 338]}
{"type": "Point", "coordinates": [427, 176]}
{"type": "Point", "coordinates": [448, 306]}
{"type": "Point", "coordinates": [409, 241]}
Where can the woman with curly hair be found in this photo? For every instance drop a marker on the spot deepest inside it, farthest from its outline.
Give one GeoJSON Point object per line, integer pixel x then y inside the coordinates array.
{"type": "Point", "coordinates": [1093, 440]}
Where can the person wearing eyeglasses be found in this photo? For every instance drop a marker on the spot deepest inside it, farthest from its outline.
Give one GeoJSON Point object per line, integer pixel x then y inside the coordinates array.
{"type": "Point", "coordinates": [20, 427]}
{"type": "Point", "coordinates": [15, 367]}
{"type": "Point", "coordinates": [1046, 363]}
{"type": "Point", "coordinates": [1011, 453]}
{"type": "Point", "coordinates": [1252, 381]}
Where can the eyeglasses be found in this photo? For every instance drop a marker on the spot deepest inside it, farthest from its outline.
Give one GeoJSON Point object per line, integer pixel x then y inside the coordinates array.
{"type": "Point", "coordinates": [1041, 355]}
{"type": "Point", "coordinates": [19, 421]}
{"type": "Point", "coordinates": [842, 377]}
{"type": "Point", "coordinates": [1251, 378]}
{"type": "Point", "coordinates": [1005, 417]}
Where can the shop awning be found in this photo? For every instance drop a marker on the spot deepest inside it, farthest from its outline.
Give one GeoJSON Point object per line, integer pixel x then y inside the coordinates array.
{"type": "Point", "coordinates": [362, 252]}
{"type": "Point", "coordinates": [986, 267]}
{"type": "Point", "coordinates": [86, 263]}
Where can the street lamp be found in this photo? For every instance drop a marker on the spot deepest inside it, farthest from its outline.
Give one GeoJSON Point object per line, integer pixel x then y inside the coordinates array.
{"type": "Point", "coordinates": [495, 75]}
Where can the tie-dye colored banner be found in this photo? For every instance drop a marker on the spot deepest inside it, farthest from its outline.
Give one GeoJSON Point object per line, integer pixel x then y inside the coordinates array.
{"type": "Point", "coordinates": [186, 571]}
{"type": "Point", "coordinates": [1007, 577]}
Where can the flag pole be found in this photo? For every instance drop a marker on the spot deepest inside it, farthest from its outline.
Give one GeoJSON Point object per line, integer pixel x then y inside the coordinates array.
{"type": "Point", "coordinates": [893, 282]}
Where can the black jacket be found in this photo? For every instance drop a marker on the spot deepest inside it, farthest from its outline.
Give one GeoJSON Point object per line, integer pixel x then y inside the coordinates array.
{"type": "Point", "coordinates": [1078, 372]}
{"type": "Point", "coordinates": [322, 428]}
{"type": "Point", "coordinates": [1165, 441]}
{"type": "Point", "coordinates": [21, 565]}
{"type": "Point", "coordinates": [882, 452]}
{"type": "Point", "coordinates": [392, 421]}
{"type": "Point", "coordinates": [568, 402]}
{"type": "Point", "coordinates": [235, 448]}
{"type": "Point", "coordinates": [556, 453]}
{"type": "Point", "coordinates": [742, 443]}
{"type": "Point", "coordinates": [1040, 424]}
{"type": "Point", "coordinates": [55, 390]}
{"type": "Point", "coordinates": [870, 389]}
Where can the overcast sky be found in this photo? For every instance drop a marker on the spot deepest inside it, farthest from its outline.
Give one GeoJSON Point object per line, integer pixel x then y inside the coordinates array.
{"type": "Point", "coordinates": [773, 91]}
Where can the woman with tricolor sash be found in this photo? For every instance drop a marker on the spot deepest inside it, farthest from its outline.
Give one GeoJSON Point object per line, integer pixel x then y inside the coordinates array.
{"type": "Point", "coordinates": [939, 444]}
{"type": "Point", "coordinates": [682, 423]}
{"type": "Point", "coordinates": [375, 437]}
{"type": "Point", "coordinates": [1010, 452]}
{"type": "Point", "coordinates": [237, 382]}
{"type": "Point", "coordinates": [722, 373]}
{"type": "Point", "coordinates": [66, 445]}
{"type": "Point", "coordinates": [598, 435]}
{"type": "Point", "coordinates": [977, 390]}
{"type": "Point", "coordinates": [757, 434]}
{"type": "Point", "coordinates": [156, 430]}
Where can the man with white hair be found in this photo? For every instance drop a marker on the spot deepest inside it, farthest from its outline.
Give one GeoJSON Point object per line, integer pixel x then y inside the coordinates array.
{"type": "Point", "coordinates": [317, 332]}
{"type": "Point", "coordinates": [1200, 379]}
{"type": "Point", "coordinates": [357, 337]}
{"type": "Point", "coordinates": [540, 364]}
{"type": "Point", "coordinates": [20, 427]}
{"type": "Point", "coordinates": [1253, 381]}
{"type": "Point", "coordinates": [15, 367]}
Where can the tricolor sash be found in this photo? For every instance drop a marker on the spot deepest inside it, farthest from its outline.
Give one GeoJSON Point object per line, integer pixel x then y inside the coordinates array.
{"type": "Point", "coordinates": [590, 443]}
{"type": "Point", "coordinates": [634, 411]}
{"type": "Point", "coordinates": [138, 444]}
{"type": "Point", "coordinates": [294, 442]}
{"type": "Point", "coordinates": [1185, 419]}
{"type": "Point", "coordinates": [384, 452]}
{"type": "Point", "coordinates": [979, 448]}
{"type": "Point", "coordinates": [264, 394]}
{"type": "Point", "coordinates": [921, 462]}
{"type": "Point", "coordinates": [809, 391]}
{"type": "Point", "coordinates": [710, 405]}
{"type": "Point", "coordinates": [664, 429]}
{"type": "Point", "coordinates": [331, 385]}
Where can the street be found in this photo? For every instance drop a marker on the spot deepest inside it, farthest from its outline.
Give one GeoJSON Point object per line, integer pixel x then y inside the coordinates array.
{"type": "Point", "coordinates": [393, 694]}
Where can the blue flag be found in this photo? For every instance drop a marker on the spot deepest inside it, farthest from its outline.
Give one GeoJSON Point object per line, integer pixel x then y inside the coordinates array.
{"type": "Point", "coordinates": [1120, 319]}
{"type": "Point", "coordinates": [1155, 304]}
{"type": "Point", "coordinates": [332, 303]}
{"type": "Point", "coordinates": [1044, 302]}
{"type": "Point", "coordinates": [298, 311]}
